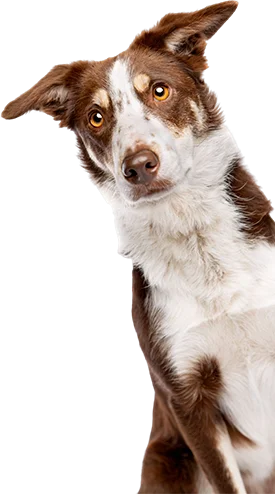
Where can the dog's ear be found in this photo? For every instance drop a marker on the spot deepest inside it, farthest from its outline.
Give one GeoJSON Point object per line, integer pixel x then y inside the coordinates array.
{"type": "Point", "coordinates": [186, 34]}
{"type": "Point", "coordinates": [53, 94]}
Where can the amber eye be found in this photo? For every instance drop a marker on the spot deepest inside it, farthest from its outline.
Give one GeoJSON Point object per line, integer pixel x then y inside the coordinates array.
{"type": "Point", "coordinates": [96, 119]}
{"type": "Point", "coordinates": [160, 92]}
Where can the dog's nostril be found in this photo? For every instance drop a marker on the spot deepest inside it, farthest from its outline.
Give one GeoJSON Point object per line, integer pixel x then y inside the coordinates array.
{"type": "Point", "coordinates": [128, 172]}
{"type": "Point", "coordinates": [131, 173]}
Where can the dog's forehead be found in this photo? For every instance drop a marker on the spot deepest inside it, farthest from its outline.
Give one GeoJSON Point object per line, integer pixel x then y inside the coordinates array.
{"type": "Point", "coordinates": [121, 85]}
{"type": "Point", "coordinates": [136, 70]}
{"type": "Point", "coordinates": [118, 80]}
{"type": "Point", "coordinates": [110, 83]}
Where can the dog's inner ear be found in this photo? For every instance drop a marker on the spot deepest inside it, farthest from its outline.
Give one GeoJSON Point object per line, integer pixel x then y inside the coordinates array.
{"type": "Point", "coordinates": [51, 94]}
{"type": "Point", "coordinates": [186, 34]}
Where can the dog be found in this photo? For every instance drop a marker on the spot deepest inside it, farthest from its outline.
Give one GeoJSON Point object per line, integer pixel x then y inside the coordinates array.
{"type": "Point", "coordinates": [199, 232]}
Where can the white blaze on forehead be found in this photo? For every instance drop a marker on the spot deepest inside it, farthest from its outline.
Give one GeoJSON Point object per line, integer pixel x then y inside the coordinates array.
{"type": "Point", "coordinates": [101, 98]}
{"type": "Point", "coordinates": [141, 82]}
{"type": "Point", "coordinates": [131, 125]}
{"type": "Point", "coordinates": [121, 87]}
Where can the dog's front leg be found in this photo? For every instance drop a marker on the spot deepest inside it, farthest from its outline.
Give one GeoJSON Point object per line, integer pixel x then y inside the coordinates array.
{"type": "Point", "coordinates": [206, 434]}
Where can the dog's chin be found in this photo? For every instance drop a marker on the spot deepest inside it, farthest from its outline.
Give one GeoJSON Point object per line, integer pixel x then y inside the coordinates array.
{"type": "Point", "coordinates": [140, 194]}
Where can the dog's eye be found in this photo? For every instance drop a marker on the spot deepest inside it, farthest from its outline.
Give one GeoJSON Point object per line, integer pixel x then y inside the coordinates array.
{"type": "Point", "coordinates": [96, 119]}
{"type": "Point", "coordinates": [160, 92]}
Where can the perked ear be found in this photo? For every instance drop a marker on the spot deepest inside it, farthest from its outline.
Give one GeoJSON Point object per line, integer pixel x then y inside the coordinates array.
{"type": "Point", "coordinates": [52, 94]}
{"type": "Point", "coordinates": [185, 34]}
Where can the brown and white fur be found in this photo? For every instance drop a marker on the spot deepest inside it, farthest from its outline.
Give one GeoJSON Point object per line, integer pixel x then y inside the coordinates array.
{"type": "Point", "coordinates": [202, 244]}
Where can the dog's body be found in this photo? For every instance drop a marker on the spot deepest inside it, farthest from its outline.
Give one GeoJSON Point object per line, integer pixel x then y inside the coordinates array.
{"type": "Point", "coordinates": [212, 299]}
{"type": "Point", "coordinates": [202, 241]}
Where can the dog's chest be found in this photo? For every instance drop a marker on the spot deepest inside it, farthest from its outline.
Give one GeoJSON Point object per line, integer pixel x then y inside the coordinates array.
{"type": "Point", "coordinates": [243, 343]}
{"type": "Point", "coordinates": [216, 297]}
{"type": "Point", "coordinates": [201, 275]}
{"type": "Point", "coordinates": [205, 306]}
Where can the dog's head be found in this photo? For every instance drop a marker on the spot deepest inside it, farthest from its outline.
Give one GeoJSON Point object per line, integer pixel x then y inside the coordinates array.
{"type": "Point", "coordinates": [136, 115]}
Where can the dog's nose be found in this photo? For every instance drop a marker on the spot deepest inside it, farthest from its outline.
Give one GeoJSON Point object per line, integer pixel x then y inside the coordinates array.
{"type": "Point", "coordinates": [141, 167]}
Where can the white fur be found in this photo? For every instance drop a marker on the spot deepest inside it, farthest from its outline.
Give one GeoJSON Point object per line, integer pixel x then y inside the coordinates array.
{"type": "Point", "coordinates": [214, 288]}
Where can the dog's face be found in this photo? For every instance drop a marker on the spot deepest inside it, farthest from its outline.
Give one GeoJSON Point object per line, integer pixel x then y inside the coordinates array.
{"type": "Point", "coordinates": [136, 115]}
{"type": "Point", "coordinates": [138, 120]}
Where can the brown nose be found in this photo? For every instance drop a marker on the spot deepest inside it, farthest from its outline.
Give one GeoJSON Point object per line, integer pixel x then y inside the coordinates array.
{"type": "Point", "coordinates": [141, 167]}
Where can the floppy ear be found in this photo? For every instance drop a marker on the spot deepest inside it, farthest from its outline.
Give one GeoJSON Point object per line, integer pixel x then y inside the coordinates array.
{"type": "Point", "coordinates": [52, 94]}
{"type": "Point", "coordinates": [185, 34]}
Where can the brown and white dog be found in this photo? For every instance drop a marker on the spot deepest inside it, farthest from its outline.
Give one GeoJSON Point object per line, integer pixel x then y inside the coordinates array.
{"type": "Point", "coordinates": [202, 241]}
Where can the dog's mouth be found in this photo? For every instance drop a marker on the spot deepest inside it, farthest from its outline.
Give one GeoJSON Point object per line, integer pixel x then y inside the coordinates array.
{"type": "Point", "coordinates": [154, 191]}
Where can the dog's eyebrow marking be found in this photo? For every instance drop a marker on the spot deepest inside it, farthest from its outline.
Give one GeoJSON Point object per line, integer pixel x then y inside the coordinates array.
{"type": "Point", "coordinates": [101, 98]}
{"type": "Point", "coordinates": [141, 82]}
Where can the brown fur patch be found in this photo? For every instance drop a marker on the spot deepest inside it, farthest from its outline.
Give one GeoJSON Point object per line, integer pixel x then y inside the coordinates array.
{"type": "Point", "coordinates": [202, 386]}
{"type": "Point", "coordinates": [156, 186]}
{"type": "Point", "coordinates": [176, 111]}
{"type": "Point", "coordinates": [168, 465]}
{"type": "Point", "coordinates": [67, 93]}
{"type": "Point", "coordinates": [184, 37]}
{"type": "Point", "coordinates": [185, 34]}
{"type": "Point", "coordinates": [253, 205]}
